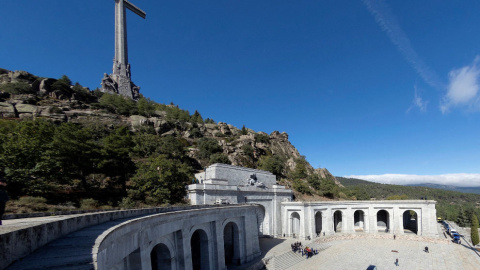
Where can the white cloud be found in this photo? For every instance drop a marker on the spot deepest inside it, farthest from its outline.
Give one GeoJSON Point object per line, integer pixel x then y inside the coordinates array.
{"type": "Point", "coordinates": [457, 179]}
{"type": "Point", "coordinates": [418, 102]}
{"type": "Point", "coordinates": [463, 88]}
{"type": "Point", "coordinates": [389, 24]}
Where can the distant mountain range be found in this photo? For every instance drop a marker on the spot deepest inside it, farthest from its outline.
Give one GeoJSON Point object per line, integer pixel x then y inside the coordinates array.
{"type": "Point", "coordinates": [475, 190]}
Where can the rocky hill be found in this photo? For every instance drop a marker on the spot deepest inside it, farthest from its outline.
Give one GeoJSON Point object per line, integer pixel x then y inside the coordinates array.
{"type": "Point", "coordinates": [26, 96]}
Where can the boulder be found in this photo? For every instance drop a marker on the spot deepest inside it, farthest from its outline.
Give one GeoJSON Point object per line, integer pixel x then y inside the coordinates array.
{"type": "Point", "coordinates": [138, 120]}
{"type": "Point", "coordinates": [22, 76]}
{"type": "Point", "coordinates": [7, 110]}
{"type": "Point", "coordinates": [46, 85]}
{"type": "Point", "coordinates": [26, 108]}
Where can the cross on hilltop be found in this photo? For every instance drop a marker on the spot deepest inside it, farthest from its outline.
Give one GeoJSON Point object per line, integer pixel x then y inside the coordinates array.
{"type": "Point", "coordinates": [120, 80]}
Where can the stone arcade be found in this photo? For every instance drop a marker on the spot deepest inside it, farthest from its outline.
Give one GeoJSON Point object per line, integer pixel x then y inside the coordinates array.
{"type": "Point", "coordinates": [222, 183]}
{"type": "Point", "coordinates": [119, 81]}
{"type": "Point", "coordinates": [313, 219]}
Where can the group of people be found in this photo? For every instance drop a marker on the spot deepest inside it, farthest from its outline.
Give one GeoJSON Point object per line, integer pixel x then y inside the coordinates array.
{"type": "Point", "coordinates": [307, 251]}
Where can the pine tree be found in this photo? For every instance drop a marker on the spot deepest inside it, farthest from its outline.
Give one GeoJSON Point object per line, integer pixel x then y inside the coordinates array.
{"type": "Point", "coordinates": [244, 130]}
{"type": "Point", "coordinates": [474, 229]}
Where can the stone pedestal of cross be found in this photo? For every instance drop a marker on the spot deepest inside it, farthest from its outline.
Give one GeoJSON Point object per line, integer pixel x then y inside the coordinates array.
{"type": "Point", "coordinates": [120, 80]}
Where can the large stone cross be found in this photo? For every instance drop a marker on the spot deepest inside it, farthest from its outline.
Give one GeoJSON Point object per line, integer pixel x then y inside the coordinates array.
{"type": "Point", "coordinates": [120, 80]}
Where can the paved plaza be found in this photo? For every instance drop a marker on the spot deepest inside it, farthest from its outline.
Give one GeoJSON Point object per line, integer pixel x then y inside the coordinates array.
{"type": "Point", "coordinates": [360, 252]}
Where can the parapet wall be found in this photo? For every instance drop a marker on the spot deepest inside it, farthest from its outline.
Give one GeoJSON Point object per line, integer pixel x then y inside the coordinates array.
{"type": "Point", "coordinates": [17, 244]}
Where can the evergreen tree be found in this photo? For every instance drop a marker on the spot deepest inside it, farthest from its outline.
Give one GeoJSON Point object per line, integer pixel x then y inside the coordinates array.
{"type": "Point", "coordinates": [116, 162]}
{"type": "Point", "coordinates": [244, 130]}
{"type": "Point", "coordinates": [474, 229]}
{"type": "Point", "coordinates": [300, 171]}
{"type": "Point", "coordinates": [196, 118]}
{"type": "Point", "coordinates": [160, 180]}
{"type": "Point", "coordinates": [273, 164]}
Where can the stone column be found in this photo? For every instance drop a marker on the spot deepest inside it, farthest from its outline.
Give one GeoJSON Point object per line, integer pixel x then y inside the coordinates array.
{"type": "Point", "coordinates": [373, 219]}
{"type": "Point", "coordinates": [390, 221]}
{"type": "Point", "coordinates": [420, 218]}
{"type": "Point", "coordinates": [219, 238]}
{"type": "Point", "coordinates": [349, 220]}
{"type": "Point", "coordinates": [329, 221]}
{"type": "Point", "coordinates": [187, 249]}
{"type": "Point", "coordinates": [397, 220]}
{"type": "Point", "coordinates": [366, 219]}
{"type": "Point", "coordinates": [302, 229]}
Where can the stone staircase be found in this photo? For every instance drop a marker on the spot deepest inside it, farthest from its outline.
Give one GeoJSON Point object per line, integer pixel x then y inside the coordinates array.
{"type": "Point", "coordinates": [286, 260]}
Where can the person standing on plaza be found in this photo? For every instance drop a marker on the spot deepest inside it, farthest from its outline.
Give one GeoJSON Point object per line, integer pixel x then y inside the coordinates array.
{"type": "Point", "coordinates": [3, 196]}
{"type": "Point", "coordinates": [396, 262]}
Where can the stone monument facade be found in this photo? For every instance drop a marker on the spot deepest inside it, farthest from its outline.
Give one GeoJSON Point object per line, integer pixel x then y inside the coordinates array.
{"type": "Point", "coordinates": [278, 216]}
{"type": "Point", "coordinates": [227, 184]}
{"type": "Point", "coordinates": [119, 82]}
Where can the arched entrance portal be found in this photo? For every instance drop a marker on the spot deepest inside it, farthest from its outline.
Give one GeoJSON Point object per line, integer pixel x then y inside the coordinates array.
{"type": "Point", "coordinates": [161, 258]}
{"type": "Point", "coordinates": [337, 221]}
{"type": "Point", "coordinates": [410, 222]}
{"type": "Point", "coordinates": [199, 245]}
{"type": "Point", "coordinates": [295, 224]}
{"type": "Point", "coordinates": [383, 224]}
{"type": "Point", "coordinates": [359, 221]}
{"type": "Point", "coordinates": [318, 223]}
{"type": "Point", "coordinates": [231, 244]}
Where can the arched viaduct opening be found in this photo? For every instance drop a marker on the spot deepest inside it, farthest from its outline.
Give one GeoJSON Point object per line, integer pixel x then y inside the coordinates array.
{"type": "Point", "coordinates": [231, 244]}
{"type": "Point", "coordinates": [410, 222]}
{"type": "Point", "coordinates": [295, 224]}
{"type": "Point", "coordinates": [383, 221]}
{"type": "Point", "coordinates": [337, 221]}
{"type": "Point", "coordinates": [200, 254]}
{"type": "Point", "coordinates": [161, 258]}
{"type": "Point", "coordinates": [359, 221]}
{"type": "Point", "coordinates": [318, 223]}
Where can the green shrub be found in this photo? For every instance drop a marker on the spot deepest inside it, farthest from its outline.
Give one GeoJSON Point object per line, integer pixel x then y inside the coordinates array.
{"type": "Point", "coordinates": [209, 121]}
{"type": "Point", "coordinates": [219, 158]}
{"type": "Point", "coordinates": [127, 203]}
{"type": "Point", "coordinates": [300, 171]}
{"type": "Point", "coordinates": [208, 147]}
{"type": "Point", "coordinates": [273, 164]}
{"type": "Point", "coordinates": [474, 230]}
{"type": "Point", "coordinates": [17, 88]}
{"type": "Point", "coordinates": [29, 204]}
{"type": "Point", "coordinates": [301, 187]}
{"type": "Point", "coordinates": [262, 138]}
{"type": "Point", "coordinates": [195, 132]}
{"type": "Point", "coordinates": [88, 204]}
{"type": "Point", "coordinates": [398, 197]}
{"type": "Point", "coordinates": [117, 104]}
{"type": "Point", "coordinates": [219, 134]}
{"type": "Point", "coordinates": [248, 150]}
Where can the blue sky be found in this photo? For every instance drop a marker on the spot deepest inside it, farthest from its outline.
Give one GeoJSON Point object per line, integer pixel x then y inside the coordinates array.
{"type": "Point", "coordinates": [364, 88]}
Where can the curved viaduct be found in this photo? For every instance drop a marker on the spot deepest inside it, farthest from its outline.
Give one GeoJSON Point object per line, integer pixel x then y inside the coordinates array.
{"type": "Point", "coordinates": [191, 237]}
{"type": "Point", "coordinates": [195, 239]}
